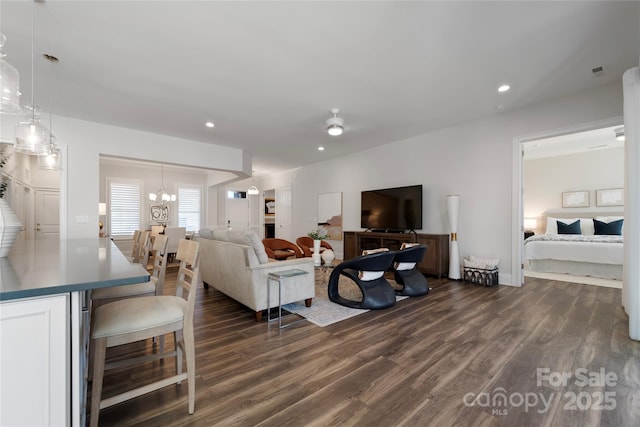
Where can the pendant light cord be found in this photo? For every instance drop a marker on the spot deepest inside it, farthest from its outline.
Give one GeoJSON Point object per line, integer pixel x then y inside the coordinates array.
{"type": "Point", "coordinates": [33, 31]}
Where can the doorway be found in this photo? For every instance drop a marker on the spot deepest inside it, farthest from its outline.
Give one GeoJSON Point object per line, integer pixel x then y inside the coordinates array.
{"type": "Point", "coordinates": [519, 214]}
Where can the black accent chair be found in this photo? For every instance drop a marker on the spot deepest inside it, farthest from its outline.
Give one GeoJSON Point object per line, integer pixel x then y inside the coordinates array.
{"type": "Point", "coordinates": [413, 282]}
{"type": "Point", "coordinates": [377, 293]}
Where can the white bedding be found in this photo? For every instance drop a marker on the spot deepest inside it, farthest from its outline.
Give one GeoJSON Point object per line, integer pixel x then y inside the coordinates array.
{"type": "Point", "coordinates": [575, 247]}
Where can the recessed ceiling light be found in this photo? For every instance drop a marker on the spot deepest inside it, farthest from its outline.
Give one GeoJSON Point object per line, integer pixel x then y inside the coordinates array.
{"type": "Point", "coordinates": [504, 88]}
{"type": "Point", "coordinates": [209, 124]}
{"type": "Point", "coordinates": [321, 148]}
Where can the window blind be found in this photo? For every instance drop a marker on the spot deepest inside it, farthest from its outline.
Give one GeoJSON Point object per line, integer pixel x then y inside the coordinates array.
{"type": "Point", "coordinates": [125, 200]}
{"type": "Point", "coordinates": [189, 207]}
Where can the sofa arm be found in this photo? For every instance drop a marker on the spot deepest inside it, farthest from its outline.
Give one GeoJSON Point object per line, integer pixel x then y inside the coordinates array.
{"type": "Point", "coordinates": [284, 265]}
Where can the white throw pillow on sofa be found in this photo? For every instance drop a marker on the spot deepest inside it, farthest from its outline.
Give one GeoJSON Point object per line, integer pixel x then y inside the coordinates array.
{"type": "Point", "coordinates": [249, 238]}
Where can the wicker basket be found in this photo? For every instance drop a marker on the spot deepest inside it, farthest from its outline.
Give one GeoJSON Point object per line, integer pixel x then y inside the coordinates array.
{"type": "Point", "coordinates": [481, 276]}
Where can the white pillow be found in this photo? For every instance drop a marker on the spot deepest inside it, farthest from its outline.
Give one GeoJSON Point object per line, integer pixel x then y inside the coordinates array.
{"type": "Point", "coordinates": [249, 238]}
{"type": "Point", "coordinates": [206, 233]}
{"type": "Point", "coordinates": [374, 251]}
{"type": "Point", "coordinates": [399, 266]}
{"type": "Point", "coordinates": [370, 275]}
{"type": "Point", "coordinates": [609, 219]}
{"type": "Point", "coordinates": [586, 226]}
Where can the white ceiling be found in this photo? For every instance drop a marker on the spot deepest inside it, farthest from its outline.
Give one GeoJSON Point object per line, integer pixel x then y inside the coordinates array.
{"type": "Point", "coordinates": [268, 72]}
{"type": "Point", "coordinates": [579, 142]}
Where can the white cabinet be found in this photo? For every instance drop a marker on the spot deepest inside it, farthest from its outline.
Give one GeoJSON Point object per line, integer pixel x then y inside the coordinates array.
{"type": "Point", "coordinates": [34, 361]}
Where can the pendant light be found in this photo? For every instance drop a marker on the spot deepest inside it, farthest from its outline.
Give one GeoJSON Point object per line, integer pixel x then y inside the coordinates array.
{"type": "Point", "coordinates": [253, 190]}
{"type": "Point", "coordinates": [50, 158]}
{"type": "Point", "coordinates": [30, 133]}
{"type": "Point", "coordinates": [162, 195]}
{"type": "Point", "coordinates": [9, 84]}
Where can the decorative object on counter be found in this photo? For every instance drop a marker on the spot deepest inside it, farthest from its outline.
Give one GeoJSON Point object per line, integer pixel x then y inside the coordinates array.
{"type": "Point", "coordinates": [102, 211]}
{"type": "Point", "coordinates": [10, 225]}
{"type": "Point", "coordinates": [453, 204]}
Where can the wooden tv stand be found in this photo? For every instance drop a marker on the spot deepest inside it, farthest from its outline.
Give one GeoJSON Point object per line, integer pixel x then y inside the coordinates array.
{"type": "Point", "coordinates": [436, 259]}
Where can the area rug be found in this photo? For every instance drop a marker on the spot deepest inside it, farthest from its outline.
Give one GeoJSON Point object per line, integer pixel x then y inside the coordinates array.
{"type": "Point", "coordinates": [324, 312]}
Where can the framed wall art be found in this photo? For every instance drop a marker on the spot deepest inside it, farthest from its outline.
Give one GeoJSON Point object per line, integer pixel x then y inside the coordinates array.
{"type": "Point", "coordinates": [610, 197]}
{"type": "Point", "coordinates": [160, 214]}
{"type": "Point", "coordinates": [575, 199]}
{"type": "Point", "coordinates": [330, 215]}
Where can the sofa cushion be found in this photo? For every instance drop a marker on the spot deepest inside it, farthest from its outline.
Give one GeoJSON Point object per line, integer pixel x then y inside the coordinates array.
{"type": "Point", "coordinates": [206, 233]}
{"type": "Point", "coordinates": [249, 238]}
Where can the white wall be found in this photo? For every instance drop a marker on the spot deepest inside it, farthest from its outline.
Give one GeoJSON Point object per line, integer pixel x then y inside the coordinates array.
{"type": "Point", "coordinates": [152, 178]}
{"type": "Point", "coordinates": [85, 141]}
{"type": "Point", "coordinates": [473, 160]}
{"type": "Point", "coordinates": [545, 179]}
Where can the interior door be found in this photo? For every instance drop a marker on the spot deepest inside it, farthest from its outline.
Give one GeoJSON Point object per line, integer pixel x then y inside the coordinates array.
{"type": "Point", "coordinates": [237, 213]}
{"type": "Point", "coordinates": [47, 214]}
{"type": "Point", "coordinates": [283, 213]}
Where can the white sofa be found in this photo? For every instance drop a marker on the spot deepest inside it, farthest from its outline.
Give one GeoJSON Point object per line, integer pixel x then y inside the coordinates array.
{"type": "Point", "coordinates": [235, 263]}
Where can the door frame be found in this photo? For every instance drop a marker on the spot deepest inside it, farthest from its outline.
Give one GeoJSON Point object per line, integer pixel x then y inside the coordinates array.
{"type": "Point", "coordinates": [517, 190]}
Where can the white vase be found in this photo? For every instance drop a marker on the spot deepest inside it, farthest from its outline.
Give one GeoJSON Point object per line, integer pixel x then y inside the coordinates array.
{"type": "Point", "coordinates": [317, 261]}
{"type": "Point", "coordinates": [10, 226]}
{"type": "Point", "coordinates": [327, 256]}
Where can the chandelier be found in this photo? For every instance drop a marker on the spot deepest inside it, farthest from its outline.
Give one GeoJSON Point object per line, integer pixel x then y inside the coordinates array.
{"type": "Point", "coordinates": [162, 195]}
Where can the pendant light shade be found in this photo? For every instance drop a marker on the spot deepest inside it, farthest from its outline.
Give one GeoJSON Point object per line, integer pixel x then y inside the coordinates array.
{"type": "Point", "coordinates": [253, 190]}
{"type": "Point", "coordinates": [30, 133]}
{"type": "Point", "coordinates": [9, 84]}
{"type": "Point", "coordinates": [51, 157]}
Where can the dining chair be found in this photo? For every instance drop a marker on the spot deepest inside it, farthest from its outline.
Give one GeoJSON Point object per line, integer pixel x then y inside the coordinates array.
{"type": "Point", "coordinates": [135, 319]}
{"type": "Point", "coordinates": [140, 247]}
{"type": "Point", "coordinates": [175, 234]}
{"type": "Point", "coordinates": [155, 286]}
{"type": "Point", "coordinates": [136, 246]}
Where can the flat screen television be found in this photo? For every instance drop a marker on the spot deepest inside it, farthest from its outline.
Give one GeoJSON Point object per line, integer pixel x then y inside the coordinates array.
{"type": "Point", "coordinates": [392, 209]}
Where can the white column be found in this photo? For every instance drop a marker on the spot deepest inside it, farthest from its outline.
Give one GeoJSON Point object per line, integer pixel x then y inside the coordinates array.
{"type": "Point", "coordinates": [453, 203]}
{"type": "Point", "coordinates": [631, 272]}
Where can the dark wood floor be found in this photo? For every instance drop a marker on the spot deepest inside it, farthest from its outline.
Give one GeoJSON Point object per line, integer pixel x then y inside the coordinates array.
{"type": "Point", "coordinates": [415, 364]}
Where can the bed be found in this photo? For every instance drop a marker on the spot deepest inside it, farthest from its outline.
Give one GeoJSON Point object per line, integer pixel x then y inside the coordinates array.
{"type": "Point", "coordinates": [586, 254]}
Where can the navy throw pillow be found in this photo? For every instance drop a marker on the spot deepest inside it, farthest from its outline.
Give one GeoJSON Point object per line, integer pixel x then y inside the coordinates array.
{"type": "Point", "coordinates": [573, 228]}
{"type": "Point", "coordinates": [613, 228]}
